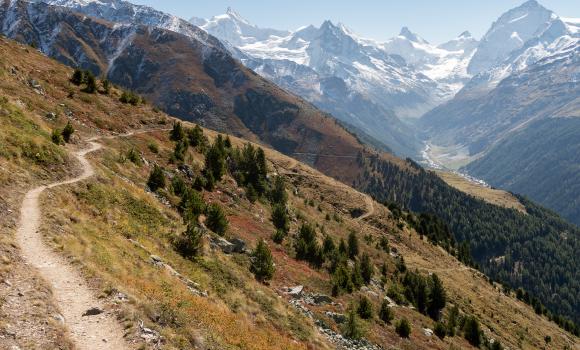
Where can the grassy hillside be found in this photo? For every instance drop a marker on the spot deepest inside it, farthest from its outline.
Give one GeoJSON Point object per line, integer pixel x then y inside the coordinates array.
{"type": "Point", "coordinates": [196, 80]}
{"type": "Point", "coordinates": [121, 235]}
{"type": "Point", "coordinates": [550, 179]}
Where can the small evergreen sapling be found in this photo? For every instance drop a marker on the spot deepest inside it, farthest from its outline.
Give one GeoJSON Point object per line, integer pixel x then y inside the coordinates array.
{"type": "Point", "coordinates": [262, 262]}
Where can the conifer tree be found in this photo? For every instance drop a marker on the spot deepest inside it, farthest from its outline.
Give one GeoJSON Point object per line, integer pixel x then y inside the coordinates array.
{"type": "Point", "coordinates": [156, 179]}
{"type": "Point", "coordinates": [262, 262]}
{"type": "Point", "coordinates": [78, 77]}
{"type": "Point", "coordinates": [352, 328]}
{"type": "Point", "coordinates": [67, 132]}
{"type": "Point", "coordinates": [216, 219]}
{"type": "Point", "coordinates": [366, 268]}
{"type": "Point", "coordinates": [365, 308]}
{"type": "Point", "coordinates": [385, 313]}
{"type": "Point", "coordinates": [353, 248]}
{"type": "Point", "coordinates": [437, 298]}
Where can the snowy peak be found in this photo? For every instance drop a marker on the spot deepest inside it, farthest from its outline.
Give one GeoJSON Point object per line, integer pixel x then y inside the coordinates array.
{"type": "Point", "coordinates": [465, 42]}
{"type": "Point", "coordinates": [235, 29]}
{"type": "Point", "coordinates": [408, 34]}
{"type": "Point", "coordinates": [509, 33]}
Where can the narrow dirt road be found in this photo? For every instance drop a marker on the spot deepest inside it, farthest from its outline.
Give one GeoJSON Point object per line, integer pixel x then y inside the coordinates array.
{"type": "Point", "coordinates": [71, 292]}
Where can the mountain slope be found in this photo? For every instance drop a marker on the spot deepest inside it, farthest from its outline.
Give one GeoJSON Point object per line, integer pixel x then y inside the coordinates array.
{"type": "Point", "coordinates": [245, 104]}
{"type": "Point", "coordinates": [541, 161]}
{"type": "Point", "coordinates": [119, 233]}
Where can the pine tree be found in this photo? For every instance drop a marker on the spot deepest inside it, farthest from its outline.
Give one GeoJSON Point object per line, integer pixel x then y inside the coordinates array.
{"type": "Point", "coordinates": [352, 328]}
{"type": "Point", "coordinates": [216, 219]}
{"type": "Point", "coordinates": [341, 281]}
{"type": "Point", "coordinates": [356, 275]}
{"type": "Point", "coordinates": [180, 150]}
{"type": "Point", "coordinates": [328, 246]}
{"type": "Point", "coordinates": [156, 179]}
{"type": "Point", "coordinates": [280, 218]}
{"type": "Point", "coordinates": [262, 262]}
{"type": "Point", "coordinates": [215, 159]}
{"type": "Point", "coordinates": [365, 308]}
{"type": "Point", "coordinates": [196, 137]}
{"type": "Point", "coordinates": [452, 320]}
{"type": "Point", "coordinates": [278, 236]}
{"type": "Point", "coordinates": [471, 331]}
{"type": "Point", "coordinates": [440, 330]}
{"type": "Point", "coordinates": [177, 133]}
{"type": "Point", "coordinates": [367, 269]}
{"type": "Point", "coordinates": [67, 132]}
{"type": "Point", "coordinates": [190, 243]}
{"type": "Point", "coordinates": [78, 77]}
{"type": "Point", "coordinates": [191, 205]}
{"type": "Point", "coordinates": [91, 83]}
{"type": "Point", "coordinates": [353, 248]}
{"type": "Point", "coordinates": [385, 313]}
{"type": "Point", "coordinates": [403, 328]}
{"type": "Point", "coordinates": [278, 194]}
{"type": "Point", "coordinates": [437, 298]}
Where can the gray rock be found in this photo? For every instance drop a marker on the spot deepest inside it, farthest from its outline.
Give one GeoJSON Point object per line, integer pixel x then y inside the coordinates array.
{"type": "Point", "coordinates": [223, 244]}
{"type": "Point", "coordinates": [336, 317]}
{"type": "Point", "coordinates": [50, 116]}
{"type": "Point", "coordinates": [239, 245]}
{"type": "Point", "coordinates": [295, 292]}
{"type": "Point", "coordinates": [157, 261]}
{"type": "Point", "coordinates": [320, 299]}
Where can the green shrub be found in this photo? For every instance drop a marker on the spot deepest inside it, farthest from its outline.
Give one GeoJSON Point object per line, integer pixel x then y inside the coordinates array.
{"type": "Point", "coordinates": [440, 330]}
{"type": "Point", "coordinates": [128, 97]}
{"type": "Point", "coordinates": [385, 313]}
{"type": "Point", "coordinates": [67, 132]}
{"type": "Point", "coordinates": [216, 219]}
{"type": "Point", "coordinates": [403, 328]}
{"type": "Point", "coordinates": [192, 205]}
{"type": "Point", "coordinates": [153, 147]}
{"type": "Point", "coordinates": [278, 194]}
{"type": "Point", "coordinates": [91, 83]}
{"type": "Point", "coordinates": [56, 137]}
{"type": "Point", "coordinates": [178, 186]}
{"type": "Point", "coordinates": [341, 281]}
{"type": "Point", "coordinates": [190, 243]}
{"type": "Point", "coordinates": [352, 328]}
{"type": "Point", "coordinates": [156, 179]}
{"type": "Point", "coordinates": [262, 262]}
{"type": "Point", "coordinates": [278, 236]}
{"type": "Point", "coordinates": [106, 85]}
{"type": "Point", "coordinates": [134, 157]}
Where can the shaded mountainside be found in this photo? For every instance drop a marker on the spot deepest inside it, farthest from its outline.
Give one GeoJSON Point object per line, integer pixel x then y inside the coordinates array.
{"type": "Point", "coordinates": [200, 82]}
{"type": "Point", "coordinates": [516, 248]}
{"type": "Point", "coordinates": [124, 236]}
{"type": "Point", "coordinates": [541, 161]}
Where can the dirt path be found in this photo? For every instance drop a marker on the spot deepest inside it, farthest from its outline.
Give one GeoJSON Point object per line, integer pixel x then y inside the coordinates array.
{"type": "Point", "coordinates": [370, 208]}
{"type": "Point", "coordinates": [71, 292]}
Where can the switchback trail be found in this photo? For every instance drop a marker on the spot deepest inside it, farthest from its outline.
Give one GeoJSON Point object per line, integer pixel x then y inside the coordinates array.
{"type": "Point", "coordinates": [71, 292]}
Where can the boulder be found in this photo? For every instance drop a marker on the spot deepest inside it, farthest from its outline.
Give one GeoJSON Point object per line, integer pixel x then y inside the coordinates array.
{"type": "Point", "coordinates": [239, 245]}
{"type": "Point", "coordinates": [295, 292]}
{"type": "Point", "coordinates": [157, 261]}
{"type": "Point", "coordinates": [336, 317]}
{"type": "Point", "coordinates": [428, 332]}
{"type": "Point", "coordinates": [320, 299]}
{"type": "Point", "coordinates": [223, 244]}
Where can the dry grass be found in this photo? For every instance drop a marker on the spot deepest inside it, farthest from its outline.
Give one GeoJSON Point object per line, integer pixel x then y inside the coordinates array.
{"type": "Point", "coordinates": [490, 195]}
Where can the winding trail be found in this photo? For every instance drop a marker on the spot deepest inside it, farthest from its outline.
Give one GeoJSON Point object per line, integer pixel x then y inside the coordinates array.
{"type": "Point", "coordinates": [71, 292]}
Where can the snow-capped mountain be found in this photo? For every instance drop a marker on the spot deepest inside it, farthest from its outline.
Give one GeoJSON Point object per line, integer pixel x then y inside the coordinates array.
{"type": "Point", "coordinates": [446, 64]}
{"type": "Point", "coordinates": [234, 29]}
{"type": "Point", "coordinates": [124, 12]}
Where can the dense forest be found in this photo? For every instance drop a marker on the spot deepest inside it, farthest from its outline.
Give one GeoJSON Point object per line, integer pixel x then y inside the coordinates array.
{"type": "Point", "coordinates": [536, 251]}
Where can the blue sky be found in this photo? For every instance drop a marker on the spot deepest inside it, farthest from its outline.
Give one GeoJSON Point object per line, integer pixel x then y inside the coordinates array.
{"type": "Point", "coordinates": [435, 20]}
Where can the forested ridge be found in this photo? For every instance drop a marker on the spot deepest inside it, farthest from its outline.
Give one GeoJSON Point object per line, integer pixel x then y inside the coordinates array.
{"type": "Point", "coordinates": [535, 251]}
